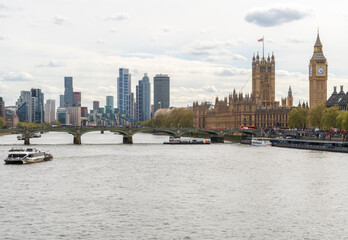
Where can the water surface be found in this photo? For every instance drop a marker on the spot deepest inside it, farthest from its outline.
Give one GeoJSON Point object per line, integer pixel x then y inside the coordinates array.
{"type": "Point", "coordinates": [103, 189]}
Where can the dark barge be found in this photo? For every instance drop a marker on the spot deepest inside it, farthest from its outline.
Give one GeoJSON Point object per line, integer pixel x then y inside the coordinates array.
{"type": "Point", "coordinates": [330, 146]}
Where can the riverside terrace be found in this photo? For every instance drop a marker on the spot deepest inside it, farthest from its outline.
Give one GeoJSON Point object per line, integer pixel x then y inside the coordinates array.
{"type": "Point", "coordinates": [216, 135]}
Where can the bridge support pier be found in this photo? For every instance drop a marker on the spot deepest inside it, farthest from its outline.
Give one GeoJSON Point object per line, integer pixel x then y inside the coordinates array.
{"type": "Point", "coordinates": [77, 137]}
{"type": "Point", "coordinates": [77, 140]}
{"type": "Point", "coordinates": [127, 139]}
{"type": "Point", "coordinates": [27, 137]}
{"type": "Point", "coordinates": [215, 139]}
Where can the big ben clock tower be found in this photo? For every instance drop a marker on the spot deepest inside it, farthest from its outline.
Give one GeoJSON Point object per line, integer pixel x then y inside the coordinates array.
{"type": "Point", "coordinates": [317, 76]}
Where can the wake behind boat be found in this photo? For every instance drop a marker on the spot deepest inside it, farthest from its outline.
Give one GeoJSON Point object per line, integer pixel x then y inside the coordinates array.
{"type": "Point", "coordinates": [173, 140]}
{"type": "Point", "coordinates": [24, 156]}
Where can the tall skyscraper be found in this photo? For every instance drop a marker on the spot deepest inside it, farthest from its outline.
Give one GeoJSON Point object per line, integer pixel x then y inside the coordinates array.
{"type": "Point", "coordinates": [132, 107]}
{"type": "Point", "coordinates": [50, 110]}
{"type": "Point", "coordinates": [68, 92]}
{"type": "Point", "coordinates": [77, 99]}
{"type": "Point", "coordinates": [317, 76]}
{"type": "Point", "coordinates": [37, 106]}
{"type": "Point", "coordinates": [161, 89]}
{"type": "Point", "coordinates": [61, 101]}
{"type": "Point", "coordinates": [110, 101]}
{"type": "Point", "coordinates": [124, 90]}
{"type": "Point", "coordinates": [23, 104]}
{"type": "Point", "coordinates": [96, 106]}
{"type": "Point", "coordinates": [2, 108]}
{"type": "Point", "coordinates": [143, 96]}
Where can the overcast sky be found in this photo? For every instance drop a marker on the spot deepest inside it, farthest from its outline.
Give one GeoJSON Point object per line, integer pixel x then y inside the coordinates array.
{"type": "Point", "coordinates": [206, 47]}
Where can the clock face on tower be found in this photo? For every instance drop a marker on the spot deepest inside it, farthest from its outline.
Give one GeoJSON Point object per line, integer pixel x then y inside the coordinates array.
{"type": "Point", "coordinates": [320, 70]}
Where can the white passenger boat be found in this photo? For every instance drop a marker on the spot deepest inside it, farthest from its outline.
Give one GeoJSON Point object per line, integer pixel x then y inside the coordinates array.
{"type": "Point", "coordinates": [260, 142]}
{"type": "Point", "coordinates": [173, 140]}
{"type": "Point", "coordinates": [37, 135]}
{"type": "Point", "coordinates": [24, 156]}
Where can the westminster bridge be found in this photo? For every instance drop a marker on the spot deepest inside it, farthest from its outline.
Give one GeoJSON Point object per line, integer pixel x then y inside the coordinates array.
{"type": "Point", "coordinates": [216, 135]}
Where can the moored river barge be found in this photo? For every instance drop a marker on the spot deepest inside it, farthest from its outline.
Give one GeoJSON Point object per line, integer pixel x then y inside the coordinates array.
{"type": "Point", "coordinates": [311, 145]}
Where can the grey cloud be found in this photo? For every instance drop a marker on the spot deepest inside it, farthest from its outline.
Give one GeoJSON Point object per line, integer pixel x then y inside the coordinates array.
{"type": "Point", "coordinates": [165, 29]}
{"type": "Point", "coordinates": [100, 41]}
{"type": "Point", "coordinates": [17, 77]}
{"type": "Point", "coordinates": [269, 17]}
{"type": "Point", "coordinates": [51, 63]}
{"type": "Point", "coordinates": [2, 38]}
{"type": "Point", "coordinates": [119, 17]}
{"type": "Point", "coordinates": [59, 20]}
{"type": "Point", "coordinates": [209, 89]}
{"type": "Point", "coordinates": [232, 72]}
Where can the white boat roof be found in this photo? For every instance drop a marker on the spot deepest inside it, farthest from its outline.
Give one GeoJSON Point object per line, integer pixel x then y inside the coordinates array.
{"type": "Point", "coordinates": [23, 150]}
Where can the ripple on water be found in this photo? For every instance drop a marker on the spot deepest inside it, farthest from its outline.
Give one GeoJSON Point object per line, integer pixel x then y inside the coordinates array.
{"type": "Point", "coordinates": [106, 190]}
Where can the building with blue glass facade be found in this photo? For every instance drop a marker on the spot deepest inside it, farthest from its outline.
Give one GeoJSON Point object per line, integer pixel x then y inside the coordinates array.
{"type": "Point", "coordinates": [124, 90]}
{"type": "Point", "coordinates": [143, 96]}
{"type": "Point", "coordinates": [161, 91]}
{"type": "Point", "coordinates": [68, 92]}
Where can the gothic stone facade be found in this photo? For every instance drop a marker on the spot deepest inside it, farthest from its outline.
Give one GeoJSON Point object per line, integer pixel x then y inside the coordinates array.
{"type": "Point", "coordinates": [258, 109]}
{"type": "Point", "coordinates": [317, 76]}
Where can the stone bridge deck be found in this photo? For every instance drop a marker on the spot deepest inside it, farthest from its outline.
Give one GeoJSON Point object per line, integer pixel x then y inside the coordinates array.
{"type": "Point", "coordinates": [216, 135]}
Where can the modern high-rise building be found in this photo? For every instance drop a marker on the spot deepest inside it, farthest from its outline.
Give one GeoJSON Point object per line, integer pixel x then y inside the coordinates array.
{"type": "Point", "coordinates": [143, 96]}
{"type": "Point", "coordinates": [124, 90]}
{"type": "Point", "coordinates": [63, 115]}
{"type": "Point", "coordinates": [161, 91]}
{"type": "Point", "coordinates": [96, 106]}
{"type": "Point", "coordinates": [61, 101]}
{"type": "Point", "coordinates": [110, 101]}
{"type": "Point", "coordinates": [50, 110]}
{"type": "Point", "coordinates": [77, 99]}
{"type": "Point", "coordinates": [132, 107]}
{"type": "Point", "coordinates": [84, 111]}
{"type": "Point", "coordinates": [74, 116]}
{"type": "Point", "coordinates": [317, 76]}
{"type": "Point", "coordinates": [68, 92]}
{"type": "Point", "coordinates": [2, 108]}
{"type": "Point", "coordinates": [23, 105]}
{"type": "Point", "coordinates": [37, 106]}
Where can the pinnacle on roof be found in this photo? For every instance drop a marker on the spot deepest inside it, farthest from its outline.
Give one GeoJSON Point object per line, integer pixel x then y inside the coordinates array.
{"type": "Point", "coordinates": [318, 43]}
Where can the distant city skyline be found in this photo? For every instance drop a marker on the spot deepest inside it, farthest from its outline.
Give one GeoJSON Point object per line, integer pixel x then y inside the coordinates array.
{"type": "Point", "coordinates": [204, 58]}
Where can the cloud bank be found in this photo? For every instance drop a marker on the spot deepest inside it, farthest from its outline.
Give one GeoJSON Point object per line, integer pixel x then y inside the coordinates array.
{"type": "Point", "coordinates": [17, 77]}
{"type": "Point", "coordinates": [274, 16]}
{"type": "Point", "coordinates": [119, 17]}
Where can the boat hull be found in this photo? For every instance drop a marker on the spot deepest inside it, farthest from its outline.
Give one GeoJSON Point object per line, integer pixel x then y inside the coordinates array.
{"type": "Point", "coordinates": [185, 143]}
{"type": "Point", "coordinates": [312, 145]}
{"type": "Point", "coordinates": [47, 157]}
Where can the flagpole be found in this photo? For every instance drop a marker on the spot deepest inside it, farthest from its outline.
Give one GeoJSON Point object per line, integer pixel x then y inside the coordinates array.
{"type": "Point", "coordinates": [263, 46]}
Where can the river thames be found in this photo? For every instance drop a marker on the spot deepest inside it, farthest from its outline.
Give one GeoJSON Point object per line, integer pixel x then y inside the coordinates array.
{"type": "Point", "coordinates": [103, 189]}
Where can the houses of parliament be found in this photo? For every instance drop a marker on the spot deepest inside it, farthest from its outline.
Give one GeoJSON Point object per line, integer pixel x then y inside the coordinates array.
{"type": "Point", "coordinates": [260, 109]}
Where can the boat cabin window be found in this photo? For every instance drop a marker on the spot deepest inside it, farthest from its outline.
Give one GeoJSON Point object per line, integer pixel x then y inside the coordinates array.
{"type": "Point", "coordinates": [17, 155]}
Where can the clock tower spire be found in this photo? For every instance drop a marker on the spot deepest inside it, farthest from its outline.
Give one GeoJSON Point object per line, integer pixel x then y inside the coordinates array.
{"type": "Point", "coordinates": [317, 75]}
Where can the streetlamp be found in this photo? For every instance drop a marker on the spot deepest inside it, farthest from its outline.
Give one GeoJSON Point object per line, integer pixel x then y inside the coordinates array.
{"type": "Point", "coordinates": [160, 104]}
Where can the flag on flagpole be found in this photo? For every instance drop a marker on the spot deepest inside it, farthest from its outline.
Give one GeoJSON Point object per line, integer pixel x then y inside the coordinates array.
{"type": "Point", "coordinates": [260, 40]}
